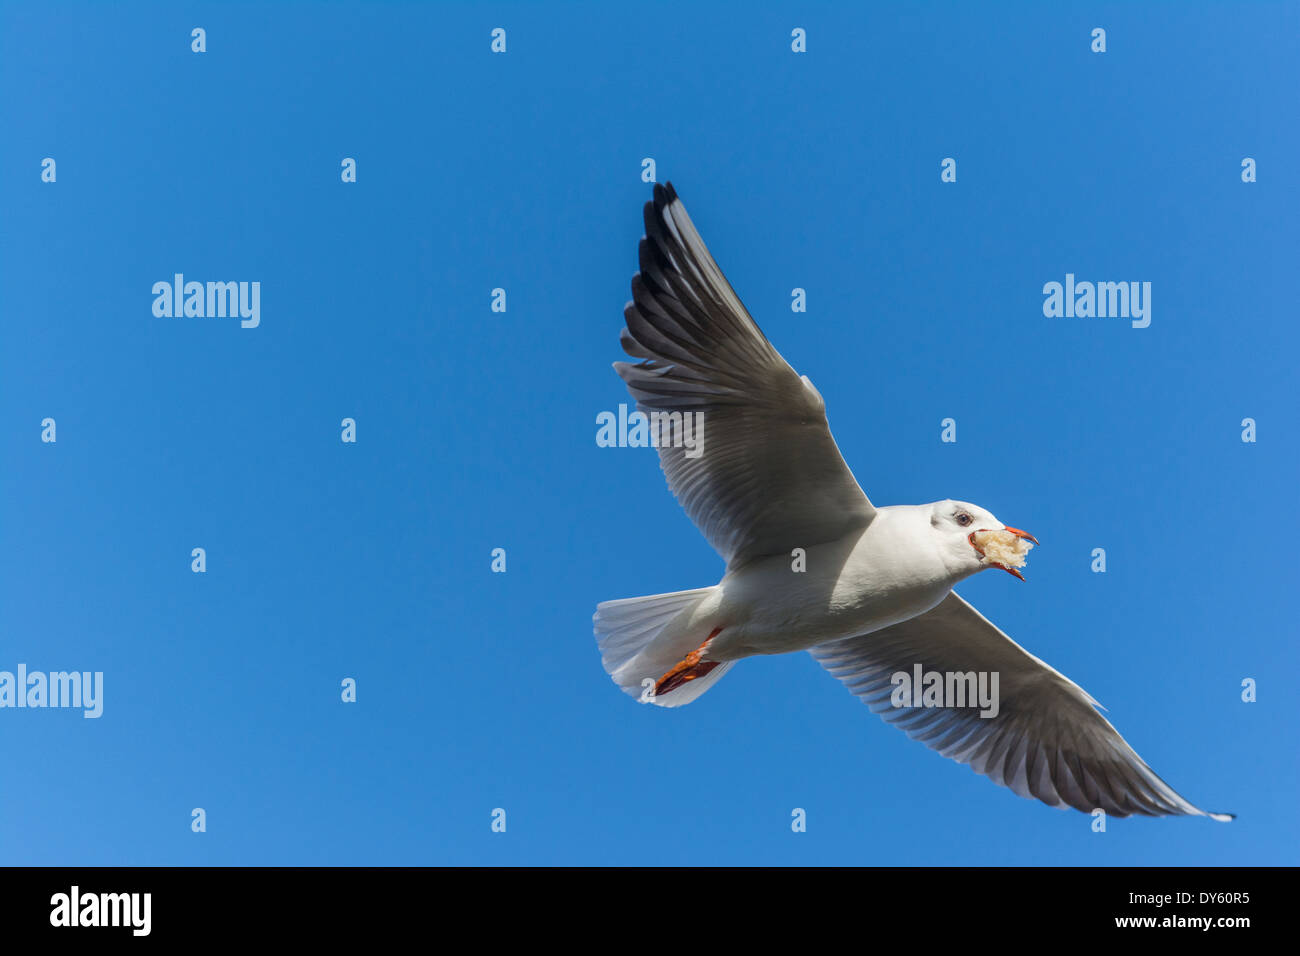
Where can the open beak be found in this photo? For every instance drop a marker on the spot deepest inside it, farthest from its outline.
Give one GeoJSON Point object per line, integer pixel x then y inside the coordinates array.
{"type": "Point", "coordinates": [1017, 532]}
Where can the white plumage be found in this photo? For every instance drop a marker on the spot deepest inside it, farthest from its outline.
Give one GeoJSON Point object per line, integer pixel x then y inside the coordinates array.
{"type": "Point", "coordinates": [873, 598]}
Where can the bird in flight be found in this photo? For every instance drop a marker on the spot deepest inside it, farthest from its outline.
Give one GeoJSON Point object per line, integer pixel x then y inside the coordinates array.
{"type": "Point", "coordinates": [813, 565]}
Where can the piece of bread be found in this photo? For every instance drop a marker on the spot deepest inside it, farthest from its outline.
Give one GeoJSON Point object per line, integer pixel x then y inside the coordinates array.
{"type": "Point", "coordinates": [1002, 547]}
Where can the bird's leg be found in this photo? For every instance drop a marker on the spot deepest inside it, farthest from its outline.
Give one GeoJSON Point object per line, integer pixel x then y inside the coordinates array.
{"type": "Point", "coordinates": [688, 668]}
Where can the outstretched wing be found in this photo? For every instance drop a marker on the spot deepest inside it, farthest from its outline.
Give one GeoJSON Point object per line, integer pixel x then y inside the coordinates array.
{"type": "Point", "coordinates": [1048, 741]}
{"type": "Point", "coordinates": [767, 476]}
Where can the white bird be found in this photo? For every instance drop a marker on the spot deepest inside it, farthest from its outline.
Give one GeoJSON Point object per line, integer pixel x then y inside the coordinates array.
{"type": "Point", "coordinates": [874, 601]}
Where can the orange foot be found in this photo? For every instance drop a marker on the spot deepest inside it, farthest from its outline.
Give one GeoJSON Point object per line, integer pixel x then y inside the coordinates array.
{"type": "Point", "coordinates": [688, 668]}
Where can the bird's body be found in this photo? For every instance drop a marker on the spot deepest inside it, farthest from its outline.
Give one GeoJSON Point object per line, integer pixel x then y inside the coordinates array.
{"type": "Point", "coordinates": [856, 584]}
{"type": "Point", "coordinates": [813, 565]}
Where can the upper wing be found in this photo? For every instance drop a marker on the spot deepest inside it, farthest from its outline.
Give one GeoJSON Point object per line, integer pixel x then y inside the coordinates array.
{"type": "Point", "coordinates": [1047, 741]}
{"type": "Point", "coordinates": [770, 477]}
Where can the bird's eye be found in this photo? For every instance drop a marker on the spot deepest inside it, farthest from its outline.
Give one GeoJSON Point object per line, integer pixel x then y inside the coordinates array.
{"type": "Point", "coordinates": [964, 519]}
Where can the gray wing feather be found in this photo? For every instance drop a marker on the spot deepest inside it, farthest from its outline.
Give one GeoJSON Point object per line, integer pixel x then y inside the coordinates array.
{"type": "Point", "coordinates": [770, 477]}
{"type": "Point", "coordinates": [1048, 740]}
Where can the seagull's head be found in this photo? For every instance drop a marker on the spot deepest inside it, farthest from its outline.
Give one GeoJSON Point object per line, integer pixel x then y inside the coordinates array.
{"type": "Point", "coordinates": [972, 539]}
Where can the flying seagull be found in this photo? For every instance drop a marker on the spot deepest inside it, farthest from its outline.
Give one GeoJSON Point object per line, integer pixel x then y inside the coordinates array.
{"type": "Point", "coordinates": [871, 597]}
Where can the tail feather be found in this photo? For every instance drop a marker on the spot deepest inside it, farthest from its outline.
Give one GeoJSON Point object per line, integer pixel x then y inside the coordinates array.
{"type": "Point", "coordinates": [628, 633]}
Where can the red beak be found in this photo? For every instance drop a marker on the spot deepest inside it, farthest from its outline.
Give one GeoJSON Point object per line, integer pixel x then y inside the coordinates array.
{"type": "Point", "coordinates": [1021, 534]}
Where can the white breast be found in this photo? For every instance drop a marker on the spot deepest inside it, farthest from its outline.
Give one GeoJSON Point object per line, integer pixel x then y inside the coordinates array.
{"type": "Point", "coordinates": [888, 573]}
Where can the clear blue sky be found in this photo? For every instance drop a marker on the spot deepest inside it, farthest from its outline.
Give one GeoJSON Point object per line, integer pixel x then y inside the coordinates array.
{"type": "Point", "coordinates": [476, 429]}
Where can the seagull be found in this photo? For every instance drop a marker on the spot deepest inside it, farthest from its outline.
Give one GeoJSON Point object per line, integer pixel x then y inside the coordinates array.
{"type": "Point", "coordinates": [812, 564]}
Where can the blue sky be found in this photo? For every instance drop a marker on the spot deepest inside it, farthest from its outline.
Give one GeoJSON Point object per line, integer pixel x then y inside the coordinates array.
{"type": "Point", "coordinates": [476, 429]}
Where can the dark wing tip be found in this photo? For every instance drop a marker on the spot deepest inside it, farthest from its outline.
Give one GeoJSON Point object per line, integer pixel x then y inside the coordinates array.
{"type": "Point", "coordinates": [664, 195]}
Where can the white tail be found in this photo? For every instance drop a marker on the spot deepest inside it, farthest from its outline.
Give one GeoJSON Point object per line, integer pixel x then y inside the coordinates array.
{"type": "Point", "coordinates": [637, 647]}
